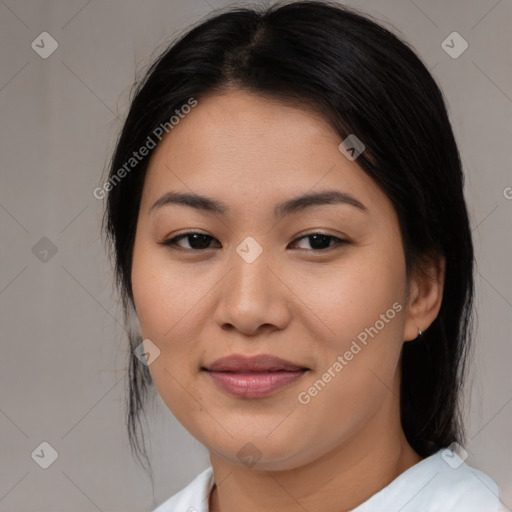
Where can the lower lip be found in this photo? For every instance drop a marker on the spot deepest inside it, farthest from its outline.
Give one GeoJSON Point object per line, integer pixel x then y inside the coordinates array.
{"type": "Point", "coordinates": [254, 385]}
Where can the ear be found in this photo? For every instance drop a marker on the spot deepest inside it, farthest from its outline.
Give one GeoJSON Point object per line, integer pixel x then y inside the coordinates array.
{"type": "Point", "coordinates": [425, 297]}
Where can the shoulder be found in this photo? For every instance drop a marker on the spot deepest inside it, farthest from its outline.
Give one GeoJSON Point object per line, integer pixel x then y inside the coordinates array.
{"type": "Point", "coordinates": [192, 498]}
{"type": "Point", "coordinates": [460, 486]}
{"type": "Point", "coordinates": [441, 482]}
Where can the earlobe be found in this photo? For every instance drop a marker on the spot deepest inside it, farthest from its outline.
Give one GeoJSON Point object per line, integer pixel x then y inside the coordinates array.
{"type": "Point", "coordinates": [425, 298]}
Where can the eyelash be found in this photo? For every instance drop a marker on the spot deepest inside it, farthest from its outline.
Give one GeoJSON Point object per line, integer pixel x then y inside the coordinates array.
{"type": "Point", "coordinates": [171, 242]}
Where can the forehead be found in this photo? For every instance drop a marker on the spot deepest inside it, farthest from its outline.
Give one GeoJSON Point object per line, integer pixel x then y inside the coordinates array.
{"type": "Point", "coordinates": [245, 146]}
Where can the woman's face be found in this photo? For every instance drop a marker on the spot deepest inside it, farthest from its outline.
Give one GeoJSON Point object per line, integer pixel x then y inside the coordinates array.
{"type": "Point", "coordinates": [256, 285]}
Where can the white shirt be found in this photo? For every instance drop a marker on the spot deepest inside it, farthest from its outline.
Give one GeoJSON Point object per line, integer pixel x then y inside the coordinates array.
{"type": "Point", "coordinates": [438, 483]}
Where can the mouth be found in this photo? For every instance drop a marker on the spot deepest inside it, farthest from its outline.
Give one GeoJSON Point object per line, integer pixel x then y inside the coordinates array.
{"type": "Point", "coordinates": [253, 377]}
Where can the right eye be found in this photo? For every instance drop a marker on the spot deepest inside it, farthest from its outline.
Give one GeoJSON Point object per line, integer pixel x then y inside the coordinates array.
{"type": "Point", "coordinates": [196, 241]}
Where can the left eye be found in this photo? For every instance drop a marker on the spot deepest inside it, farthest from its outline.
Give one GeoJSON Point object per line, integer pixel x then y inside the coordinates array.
{"type": "Point", "coordinates": [321, 241]}
{"type": "Point", "coordinates": [201, 241]}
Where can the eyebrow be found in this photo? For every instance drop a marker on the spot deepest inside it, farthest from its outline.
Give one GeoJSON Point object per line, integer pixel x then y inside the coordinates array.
{"type": "Point", "coordinates": [291, 206]}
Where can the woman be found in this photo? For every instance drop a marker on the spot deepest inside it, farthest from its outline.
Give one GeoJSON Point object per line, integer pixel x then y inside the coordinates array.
{"type": "Point", "coordinates": [288, 223]}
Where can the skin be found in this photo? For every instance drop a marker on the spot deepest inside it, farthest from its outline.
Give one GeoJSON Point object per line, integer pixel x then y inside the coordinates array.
{"type": "Point", "coordinates": [296, 302]}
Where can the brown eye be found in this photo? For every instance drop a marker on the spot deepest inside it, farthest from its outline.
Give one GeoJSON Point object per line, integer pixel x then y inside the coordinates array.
{"type": "Point", "coordinates": [195, 241]}
{"type": "Point", "coordinates": [322, 241]}
{"type": "Point", "coordinates": [201, 241]}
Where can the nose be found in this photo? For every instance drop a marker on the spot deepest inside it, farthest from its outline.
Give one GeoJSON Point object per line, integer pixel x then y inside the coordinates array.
{"type": "Point", "coordinates": [253, 297]}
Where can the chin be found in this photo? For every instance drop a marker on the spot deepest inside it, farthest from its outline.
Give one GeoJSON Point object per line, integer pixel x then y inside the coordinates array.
{"type": "Point", "coordinates": [262, 452]}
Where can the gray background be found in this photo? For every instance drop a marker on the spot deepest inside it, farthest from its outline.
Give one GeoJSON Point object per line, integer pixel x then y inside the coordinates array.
{"type": "Point", "coordinates": [64, 354]}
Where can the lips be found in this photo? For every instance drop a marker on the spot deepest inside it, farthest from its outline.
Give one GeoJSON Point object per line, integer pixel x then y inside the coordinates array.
{"type": "Point", "coordinates": [253, 377]}
{"type": "Point", "coordinates": [262, 363]}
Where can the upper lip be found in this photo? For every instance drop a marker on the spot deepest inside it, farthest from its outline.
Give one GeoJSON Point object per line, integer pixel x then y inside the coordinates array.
{"type": "Point", "coordinates": [259, 363]}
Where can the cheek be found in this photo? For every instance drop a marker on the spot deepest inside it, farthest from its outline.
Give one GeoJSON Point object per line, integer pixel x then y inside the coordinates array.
{"type": "Point", "coordinates": [164, 300]}
{"type": "Point", "coordinates": [356, 294]}
{"type": "Point", "coordinates": [360, 303]}
{"type": "Point", "coordinates": [362, 307]}
{"type": "Point", "coordinates": [171, 307]}
{"type": "Point", "coordinates": [163, 296]}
